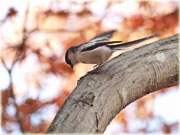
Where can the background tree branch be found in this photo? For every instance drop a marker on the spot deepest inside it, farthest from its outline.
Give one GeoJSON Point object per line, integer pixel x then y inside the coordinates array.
{"type": "Point", "coordinates": [105, 91]}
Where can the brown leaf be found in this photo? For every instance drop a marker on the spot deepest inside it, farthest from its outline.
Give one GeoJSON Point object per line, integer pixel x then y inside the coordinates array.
{"type": "Point", "coordinates": [11, 12]}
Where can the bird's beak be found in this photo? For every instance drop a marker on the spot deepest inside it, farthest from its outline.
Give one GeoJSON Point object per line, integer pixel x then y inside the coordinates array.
{"type": "Point", "coordinates": [72, 66]}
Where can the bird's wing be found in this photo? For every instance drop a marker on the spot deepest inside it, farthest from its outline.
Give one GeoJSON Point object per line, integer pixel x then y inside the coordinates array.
{"type": "Point", "coordinates": [90, 46]}
{"type": "Point", "coordinates": [98, 41]}
{"type": "Point", "coordinates": [103, 36]}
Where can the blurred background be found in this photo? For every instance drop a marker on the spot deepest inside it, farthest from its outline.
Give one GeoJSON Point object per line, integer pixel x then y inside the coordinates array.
{"type": "Point", "coordinates": [34, 79]}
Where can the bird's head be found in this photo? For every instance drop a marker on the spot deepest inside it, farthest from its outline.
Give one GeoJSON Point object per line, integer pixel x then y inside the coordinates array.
{"type": "Point", "coordinates": [70, 56]}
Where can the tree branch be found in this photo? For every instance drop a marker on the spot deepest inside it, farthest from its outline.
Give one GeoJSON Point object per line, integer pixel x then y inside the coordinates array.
{"type": "Point", "coordinates": [105, 91]}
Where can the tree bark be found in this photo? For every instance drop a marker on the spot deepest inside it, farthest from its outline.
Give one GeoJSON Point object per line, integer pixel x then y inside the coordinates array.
{"type": "Point", "coordinates": [105, 91]}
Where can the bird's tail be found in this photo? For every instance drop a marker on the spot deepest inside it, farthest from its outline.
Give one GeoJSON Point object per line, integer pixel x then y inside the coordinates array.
{"type": "Point", "coordinates": [128, 44]}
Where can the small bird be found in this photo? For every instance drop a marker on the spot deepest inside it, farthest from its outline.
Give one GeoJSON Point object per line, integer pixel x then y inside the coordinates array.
{"type": "Point", "coordinates": [98, 50]}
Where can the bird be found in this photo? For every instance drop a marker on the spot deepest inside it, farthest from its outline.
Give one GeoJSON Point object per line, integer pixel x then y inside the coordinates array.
{"type": "Point", "coordinates": [98, 50]}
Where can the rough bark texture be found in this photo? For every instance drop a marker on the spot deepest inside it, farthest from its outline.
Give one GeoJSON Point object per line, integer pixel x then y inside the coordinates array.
{"type": "Point", "coordinates": [104, 92]}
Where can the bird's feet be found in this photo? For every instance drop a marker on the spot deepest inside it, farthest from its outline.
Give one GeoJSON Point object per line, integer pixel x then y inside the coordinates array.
{"type": "Point", "coordinates": [96, 66]}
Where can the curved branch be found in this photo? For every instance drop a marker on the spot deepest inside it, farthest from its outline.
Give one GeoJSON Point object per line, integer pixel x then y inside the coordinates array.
{"type": "Point", "coordinates": [104, 92]}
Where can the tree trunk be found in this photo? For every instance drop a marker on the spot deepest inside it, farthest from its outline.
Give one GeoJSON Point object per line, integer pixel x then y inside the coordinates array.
{"type": "Point", "coordinates": [105, 91]}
